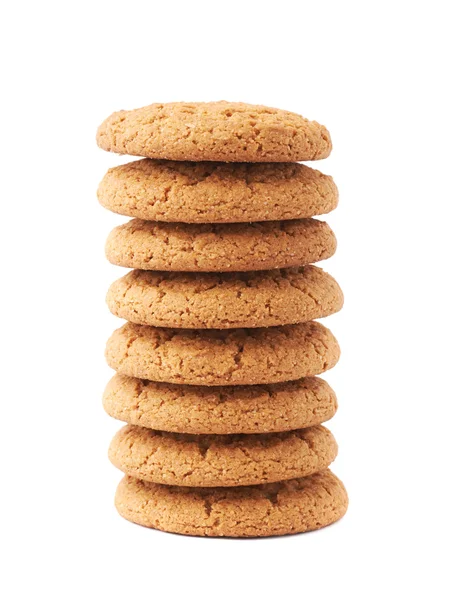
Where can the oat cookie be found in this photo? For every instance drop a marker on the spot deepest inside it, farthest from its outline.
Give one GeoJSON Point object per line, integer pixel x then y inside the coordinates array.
{"type": "Point", "coordinates": [222, 410]}
{"type": "Point", "coordinates": [214, 131]}
{"type": "Point", "coordinates": [226, 300]}
{"type": "Point", "coordinates": [221, 460]}
{"type": "Point", "coordinates": [157, 190]}
{"type": "Point", "coordinates": [227, 247]}
{"type": "Point", "coordinates": [222, 357]}
{"type": "Point", "coordinates": [292, 506]}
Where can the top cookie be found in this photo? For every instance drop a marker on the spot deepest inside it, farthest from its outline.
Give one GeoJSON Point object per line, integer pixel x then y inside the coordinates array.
{"type": "Point", "coordinates": [218, 131]}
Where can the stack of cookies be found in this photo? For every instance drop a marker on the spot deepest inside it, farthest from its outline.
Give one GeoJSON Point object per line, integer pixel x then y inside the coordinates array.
{"type": "Point", "coordinates": [216, 366]}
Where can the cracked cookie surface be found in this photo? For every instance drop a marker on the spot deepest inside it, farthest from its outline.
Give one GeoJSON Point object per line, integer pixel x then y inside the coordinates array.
{"type": "Point", "coordinates": [222, 357]}
{"type": "Point", "coordinates": [214, 131]}
{"type": "Point", "coordinates": [221, 460]}
{"type": "Point", "coordinates": [226, 300]}
{"type": "Point", "coordinates": [156, 190]}
{"type": "Point", "coordinates": [196, 247]}
{"type": "Point", "coordinates": [222, 410]}
{"type": "Point", "coordinates": [287, 507]}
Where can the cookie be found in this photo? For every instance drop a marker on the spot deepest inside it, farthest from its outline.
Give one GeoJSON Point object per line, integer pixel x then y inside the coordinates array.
{"type": "Point", "coordinates": [222, 410]}
{"type": "Point", "coordinates": [214, 131]}
{"type": "Point", "coordinates": [221, 460]}
{"type": "Point", "coordinates": [222, 357]}
{"type": "Point", "coordinates": [293, 506]}
{"type": "Point", "coordinates": [196, 247]}
{"type": "Point", "coordinates": [226, 300]}
{"type": "Point", "coordinates": [156, 190]}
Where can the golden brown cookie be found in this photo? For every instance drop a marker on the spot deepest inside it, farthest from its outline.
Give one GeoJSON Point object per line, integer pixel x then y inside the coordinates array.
{"type": "Point", "coordinates": [157, 190]}
{"type": "Point", "coordinates": [292, 506]}
{"type": "Point", "coordinates": [222, 410]}
{"type": "Point", "coordinates": [222, 357]}
{"type": "Point", "coordinates": [227, 247]}
{"type": "Point", "coordinates": [222, 131]}
{"type": "Point", "coordinates": [221, 460]}
{"type": "Point", "coordinates": [225, 300]}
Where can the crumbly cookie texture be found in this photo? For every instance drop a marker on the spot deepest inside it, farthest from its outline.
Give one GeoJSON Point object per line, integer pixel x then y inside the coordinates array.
{"type": "Point", "coordinates": [222, 357]}
{"type": "Point", "coordinates": [282, 508]}
{"type": "Point", "coordinates": [226, 300]}
{"type": "Point", "coordinates": [214, 131]}
{"type": "Point", "coordinates": [221, 410]}
{"type": "Point", "coordinates": [157, 190]}
{"type": "Point", "coordinates": [227, 247]}
{"type": "Point", "coordinates": [221, 460]}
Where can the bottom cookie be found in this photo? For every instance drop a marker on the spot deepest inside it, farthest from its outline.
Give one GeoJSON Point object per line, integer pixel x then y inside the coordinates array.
{"type": "Point", "coordinates": [293, 506]}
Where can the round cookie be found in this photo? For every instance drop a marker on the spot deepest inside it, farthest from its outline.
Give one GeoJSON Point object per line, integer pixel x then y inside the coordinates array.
{"type": "Point", "coordinates": [227, 247]}
{"type": "Point", "coordinates": [293, 506]}
{"type": "Point", "coordinates": [221, 410]}
{"type": "Point", "coordinates": [214, 131]}
{"type": "Point", "coordinates": [222, 357]}
{"type": "Point", "coordinates": [156, 190]}
{"type": "Point", "coordinates": [221, 460]}
{"type": "Point", "coordinates": [226, 300]}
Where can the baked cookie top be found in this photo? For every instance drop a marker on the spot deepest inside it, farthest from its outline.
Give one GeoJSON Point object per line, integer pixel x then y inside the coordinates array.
{"type": "Point", "coordinates": [159, 190]}
{"type": "Point", "coordinates": [292, 506]}
{"type": "Point", "coordinates": [225, 300]}
{"type": "Point", "coordinates": [214, 131]}
{"type": "Point", "coordinates": [221, 460]}
{"type": "Point", "coordinates": [196, 247]}
{"type": "Point", "coordinates": [221, 410]}
{"type": "Point", "coordinates": [222, 356]}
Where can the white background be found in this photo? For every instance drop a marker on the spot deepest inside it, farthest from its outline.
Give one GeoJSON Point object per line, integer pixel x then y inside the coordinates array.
{"type": "Point", "coordinates": [378, 75]}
